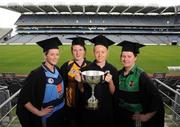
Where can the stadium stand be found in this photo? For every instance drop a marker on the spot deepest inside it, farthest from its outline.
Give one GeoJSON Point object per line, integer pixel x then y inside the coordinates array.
{"type": "Point", "coordinates": [146, 39]}
{"type": "Point", "coordinates": [109, 20]}
{"type": "Point", "coordinates": [5, 34]}
{"type": "Point", "coordinates": [142, 38]}
{"type": "Point", "coordinates": [4, 95]}
{"type": "Point", "coordinates": [177, 20]}
{"type": "Point", "coordinates": [11, 81]}
{"type": "Point", "coordinates": [172, 82]}
{"type": "Point", "coordinates": [145, 24]}
{"type": "Point", "coordinates": [9, 85]}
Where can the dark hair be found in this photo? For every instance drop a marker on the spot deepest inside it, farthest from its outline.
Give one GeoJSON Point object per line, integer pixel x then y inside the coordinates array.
{"type": "Point", "coordinates": [46, 52]}
{"type": "Point", "coordinates": [80, 45]}
{"type": "Point", "coordinates": [135, 54]}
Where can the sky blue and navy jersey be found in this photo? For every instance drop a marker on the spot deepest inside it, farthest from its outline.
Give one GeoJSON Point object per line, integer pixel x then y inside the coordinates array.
{"type": "Point", "coordinates": [54, 90]}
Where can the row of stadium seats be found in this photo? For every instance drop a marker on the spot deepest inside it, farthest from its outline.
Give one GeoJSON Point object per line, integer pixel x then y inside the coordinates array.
{"type": "Point", "coordinates": [10, 81]}
{"type": "Point", "coordinates": [66, 20]}
{"type": "Point", "coordinates": [145, 39]}
{"type": "Point", "coordinates": [171, 81]}
{"type": "Point", "coordinates": [9, 84]}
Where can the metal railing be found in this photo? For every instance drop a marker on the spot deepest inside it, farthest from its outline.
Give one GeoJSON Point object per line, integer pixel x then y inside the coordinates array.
{"type": "Point", "coordinates": [8, 114]}
{"type": "Point", "coordinates": [3, 87]}
{"type": "Point", "coordinates": [173, 103]}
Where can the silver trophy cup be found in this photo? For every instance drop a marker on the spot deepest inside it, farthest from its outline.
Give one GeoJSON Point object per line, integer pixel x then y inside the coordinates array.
{"type": "Point", "coordinates": [92, 77]}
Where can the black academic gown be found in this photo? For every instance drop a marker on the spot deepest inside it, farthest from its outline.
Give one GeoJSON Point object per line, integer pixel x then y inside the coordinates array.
{"type": "Point", "coordinates": [33, 91]}
{"type": "Point", "coordinates": [103, 116]}
{"type": "Point", "coordinates": [65, 68]}
{"type": "Point", "coordinates": [150, 100]}
{"type": "Point", "coordinates": [73, 113]}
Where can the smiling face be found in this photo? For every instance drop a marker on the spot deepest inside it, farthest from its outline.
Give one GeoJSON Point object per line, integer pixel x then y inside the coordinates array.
{"type": "Point", "coordinates": [128, 59]}
{"type": "Point", "coordinates": [52, 56]}
{"type": "Point", "coordinates": [100, 53]}
{"type": "Point", "coordinates": [78, 52]}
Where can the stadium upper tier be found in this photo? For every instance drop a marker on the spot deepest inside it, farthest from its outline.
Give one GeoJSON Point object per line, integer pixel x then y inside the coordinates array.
{"type": "Point", "coordinates": [93, 9]}
{"type": "Point", "coordinates": [97, 20]}
{"type": "Point", "coordinates": [97, 24]}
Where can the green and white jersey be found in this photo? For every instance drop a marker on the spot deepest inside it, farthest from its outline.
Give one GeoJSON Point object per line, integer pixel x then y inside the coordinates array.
{"type": "Point", "coordinates": [129, 90]}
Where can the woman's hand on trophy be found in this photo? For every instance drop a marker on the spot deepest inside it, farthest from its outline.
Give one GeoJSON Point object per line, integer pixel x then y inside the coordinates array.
{"type": "Point", "coordinates": [108, 78]}
{"type": "Point", "coordinates": [78, 76]}
{"type": "Point", "coordinates": [78, 79]}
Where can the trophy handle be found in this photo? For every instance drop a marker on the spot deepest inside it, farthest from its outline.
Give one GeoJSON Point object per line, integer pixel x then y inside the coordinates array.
{"type": "Point", "coordinates": [105, 74]}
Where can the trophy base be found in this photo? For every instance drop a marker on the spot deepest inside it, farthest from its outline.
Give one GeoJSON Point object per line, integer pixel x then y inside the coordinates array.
{"type": "Point", "coordinates": [92, 106]}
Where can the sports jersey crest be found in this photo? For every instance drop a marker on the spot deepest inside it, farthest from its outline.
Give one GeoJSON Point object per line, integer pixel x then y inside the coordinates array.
{"type": "Point", "coordinates": [50, 80]}
{"type": "Point", "coordinates": [131, 83]}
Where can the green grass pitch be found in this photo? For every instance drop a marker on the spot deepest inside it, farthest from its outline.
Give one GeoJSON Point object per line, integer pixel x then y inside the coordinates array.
{"type": "Point", "coordinates": [21, 59]}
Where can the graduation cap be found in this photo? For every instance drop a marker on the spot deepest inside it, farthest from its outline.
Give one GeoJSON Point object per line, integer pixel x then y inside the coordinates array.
{"type": "Point", "coordinates": [130, 46]}
{"type": "Point", "coordinates": [51, 43]}
{"type": "Point", "coordinates": [101, 40]}
{"type": "Point", "coordinates": [78, 40]}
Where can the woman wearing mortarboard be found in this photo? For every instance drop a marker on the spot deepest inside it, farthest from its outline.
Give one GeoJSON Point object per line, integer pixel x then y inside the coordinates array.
{"type": "Point", "coordinates": [138, 101]}
{"type": "Point", "coordinates": [69, 70]}
{"type": "Point", "coordinates": [103, 115]}
{"type": "Point", "coordinates": [41, 100]}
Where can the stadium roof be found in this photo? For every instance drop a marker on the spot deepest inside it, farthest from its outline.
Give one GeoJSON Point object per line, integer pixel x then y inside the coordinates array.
{"type": "Point", "coordinates": [4, 31]}
{"type": "Point", "coordinates": [92, 9]}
